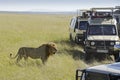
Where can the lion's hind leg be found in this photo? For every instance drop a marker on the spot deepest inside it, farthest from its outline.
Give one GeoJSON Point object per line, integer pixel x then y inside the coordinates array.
{"type": "Point", "coordinates": [21, 53]}
{"type": "Point", "coordinates": [19, 58]}
{"type": "Point", "coordinates": [26, 59]}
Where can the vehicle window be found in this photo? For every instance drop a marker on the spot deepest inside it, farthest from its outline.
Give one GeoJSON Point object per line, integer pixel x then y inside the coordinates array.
{"type": "Point", "coordinates": [96, 76]}
{"type": "Point", "coordinates": [115, 77]}
{"type": "Point", "coordinates": [102, 30]}
{"type": "Point", "coordinates": [71, 23]}
{"type": "Point", "coordinates": [83, 25]}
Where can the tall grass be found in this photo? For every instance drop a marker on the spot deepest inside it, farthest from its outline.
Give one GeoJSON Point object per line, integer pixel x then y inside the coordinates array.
{"type": "Point", "coordinates": [32, 30]}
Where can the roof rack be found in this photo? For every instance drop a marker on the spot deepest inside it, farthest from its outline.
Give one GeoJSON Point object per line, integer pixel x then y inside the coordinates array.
{"type": "Point", "coordinates": [108, 16]}
{"type": "Point", "coordinates": [102, 20]}
{"type": "Point", "coordinates": [117, 7]}
{"type": "Point", "coordinates": [112, 9]}
{"type": "Point", "coordinates": [102, 8]}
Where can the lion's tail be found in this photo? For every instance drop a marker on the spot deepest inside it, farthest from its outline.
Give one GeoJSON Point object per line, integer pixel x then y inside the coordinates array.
{"type": "Point", "coordinates": [14, 56]}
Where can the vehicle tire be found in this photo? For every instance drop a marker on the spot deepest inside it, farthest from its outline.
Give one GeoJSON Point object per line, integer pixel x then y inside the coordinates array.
{"type": "Point", "coordinates": [76, 40]}
{"type": "Point", "coordinates": [87, 56]}
{"type": "Point", "coordinates": [70, 36]}
{"type": "Point", "coordinates": [116, 56]}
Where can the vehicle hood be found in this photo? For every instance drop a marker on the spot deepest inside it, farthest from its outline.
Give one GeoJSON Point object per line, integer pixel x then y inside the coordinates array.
{"type": "Point", "coordinates": [106, 68]}
{"type": "Point", "coordinates": [97, 37]}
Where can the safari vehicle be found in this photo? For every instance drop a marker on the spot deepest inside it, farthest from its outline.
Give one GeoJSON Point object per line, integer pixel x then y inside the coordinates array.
{"type": "Point", "coordinates": [101, 72]}
{"type": "Point", "coordinates": [101, 35]}
{"type": "Point", "coordinates": [78, 26]}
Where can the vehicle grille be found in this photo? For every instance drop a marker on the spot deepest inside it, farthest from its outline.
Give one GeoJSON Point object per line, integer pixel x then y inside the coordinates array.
{"type": "Point", "coordinates": [104, 43]}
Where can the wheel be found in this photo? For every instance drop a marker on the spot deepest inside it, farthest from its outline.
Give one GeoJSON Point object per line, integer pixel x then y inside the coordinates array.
{"type": "Point", "coordinates": [70, 36]}
{"type": "Point", "coordinates": [76, 40]}
{"type": "Point", "coordinates": [88, 55]}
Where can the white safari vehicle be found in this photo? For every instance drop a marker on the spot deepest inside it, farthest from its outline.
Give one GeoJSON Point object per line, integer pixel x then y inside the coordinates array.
{"type": "Point", "coordinates": [78, 26]}
{"type": "Point", "coordinates": [101, 35]}
{"type": "Point", "coordinates": [101, 72]}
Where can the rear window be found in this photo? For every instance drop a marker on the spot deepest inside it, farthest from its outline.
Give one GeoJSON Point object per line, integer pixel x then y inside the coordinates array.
{"type": "Point", "coordinates": [83, 25]}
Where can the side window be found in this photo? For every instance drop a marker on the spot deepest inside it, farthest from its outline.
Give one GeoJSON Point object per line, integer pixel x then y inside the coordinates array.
{"type": "Point", "coordinates": [72, 22]}
{"type": "Point", "coordinates": [114, 77]}
{"type": "Point", "coordinates": [94, 76]}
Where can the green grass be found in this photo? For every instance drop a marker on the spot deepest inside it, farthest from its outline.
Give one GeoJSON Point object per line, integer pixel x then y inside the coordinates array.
{"type": "Point", "coordinates": [32, 30]}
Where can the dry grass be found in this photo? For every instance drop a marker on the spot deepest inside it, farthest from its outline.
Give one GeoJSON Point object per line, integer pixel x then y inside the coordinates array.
{"type": "Point", "coordinates": [32, 30]}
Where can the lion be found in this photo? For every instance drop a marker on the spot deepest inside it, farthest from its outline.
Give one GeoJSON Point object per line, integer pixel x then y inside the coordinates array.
{"type": "Point", "coordinates": [43, 52]}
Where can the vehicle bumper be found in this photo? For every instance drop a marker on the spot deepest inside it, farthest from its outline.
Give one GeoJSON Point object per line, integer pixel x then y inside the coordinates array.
{"type": "Point", "coordinates": [107, 50]}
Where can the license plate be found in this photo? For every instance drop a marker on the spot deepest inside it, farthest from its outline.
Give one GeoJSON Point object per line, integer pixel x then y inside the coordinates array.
{"type": "Point", "coordinates": [102, 51]}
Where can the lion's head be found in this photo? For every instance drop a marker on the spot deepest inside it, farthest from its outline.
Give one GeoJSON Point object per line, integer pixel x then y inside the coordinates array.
{"type": "Point", "coordinates": [51, 48]}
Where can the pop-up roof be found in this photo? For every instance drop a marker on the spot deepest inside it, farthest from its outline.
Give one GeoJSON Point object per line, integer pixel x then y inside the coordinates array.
{"type": "Point", "coordinates": [98, 20]}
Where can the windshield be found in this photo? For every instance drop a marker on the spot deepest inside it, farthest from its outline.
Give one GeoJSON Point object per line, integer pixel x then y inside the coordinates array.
{"type": "Point", "coordinates": [83, 25]}
{"type": "Point", "coordinates": [102, 30]}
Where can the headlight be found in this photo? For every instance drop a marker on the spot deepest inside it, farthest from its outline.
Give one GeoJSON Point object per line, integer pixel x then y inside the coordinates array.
{"type": "Point", "coordinates": [92, 43]}
{"type": "Point", "coordinates": [112, 43]}
{"type": "Point", "coordinates": [117, 43]}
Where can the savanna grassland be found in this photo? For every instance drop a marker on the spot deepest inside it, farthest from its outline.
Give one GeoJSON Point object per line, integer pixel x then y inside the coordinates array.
{"type": "Point", "coordinates": [32, 30]}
